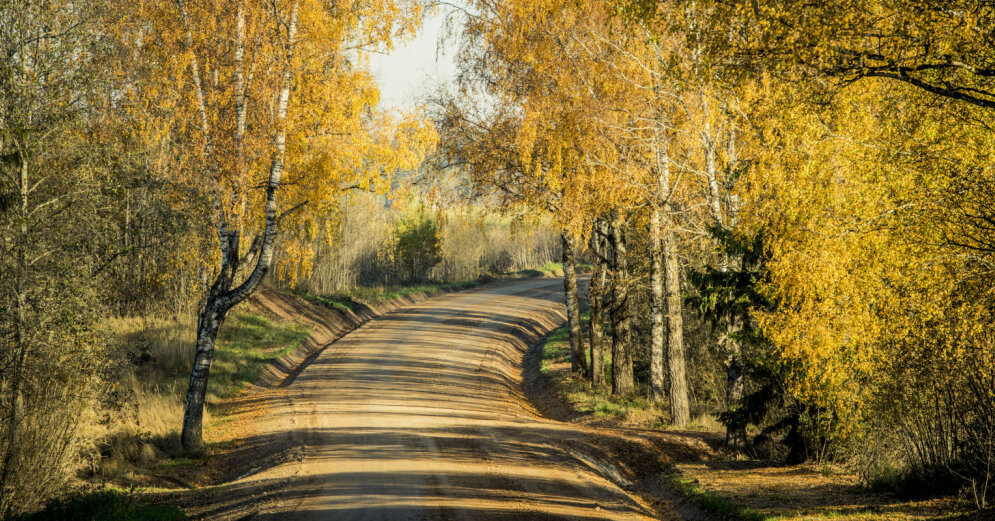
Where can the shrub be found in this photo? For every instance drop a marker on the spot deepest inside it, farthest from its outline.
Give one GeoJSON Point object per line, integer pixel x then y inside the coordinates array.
{"type": "Point", "coordinates": [417, 244]}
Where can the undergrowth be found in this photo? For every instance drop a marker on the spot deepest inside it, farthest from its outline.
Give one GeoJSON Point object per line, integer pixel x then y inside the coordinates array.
{"type": "Point", "coordinates": [103, 505]}
{"type": "Point", "coordinates": [554, 269]}
{"type": "Point", "coordinates": [579, 392]}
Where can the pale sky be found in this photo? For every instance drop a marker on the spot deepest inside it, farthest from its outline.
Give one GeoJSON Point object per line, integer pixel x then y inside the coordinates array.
{"type": "Point", "coordinates": [416, 68]}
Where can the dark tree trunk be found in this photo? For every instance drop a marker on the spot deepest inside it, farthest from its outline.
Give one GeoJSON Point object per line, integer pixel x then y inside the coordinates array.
{"type": "Point", "coordinates": [623, 383]}
{"type": "Point", "coordinates": [578, 360]}
{"type": "Point", "coordinates": [598, 286]}
{"type": "Point", "coordinates": [15, 407]}
{"type": "Point", "coordinates": [735, 436]}
{"type": "Point", "coordinates": [208, 324]}
{"type": "Point", "coordinates": [220, 299]}
{"type": "Point", "coordinates": [679, 410]}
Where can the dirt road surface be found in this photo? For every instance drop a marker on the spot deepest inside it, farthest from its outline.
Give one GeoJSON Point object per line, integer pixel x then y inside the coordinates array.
{"type": "Point", "coordinates": [420, 415]}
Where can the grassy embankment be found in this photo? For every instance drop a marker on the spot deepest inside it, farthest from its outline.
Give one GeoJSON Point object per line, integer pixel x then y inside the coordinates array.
{"type": "Point", "coordinates": [730, 487]}
{"type": "Point", "coordinates": [141, 440]}
{"type": "Point", "coordinates": [597, 404]}
{"type": "Point", "coordinates": [353, 300]}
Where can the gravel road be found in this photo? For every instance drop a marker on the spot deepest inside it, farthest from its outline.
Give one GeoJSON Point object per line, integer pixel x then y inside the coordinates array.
{"type": "Point", "coordinates": [420, 415]}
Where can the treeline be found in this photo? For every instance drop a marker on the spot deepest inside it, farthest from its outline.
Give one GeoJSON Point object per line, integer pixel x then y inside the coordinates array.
{"type": "Point", "coordinates": [381, 246]}
{"type": "Point", "coordinates": [160, 159]}
{"type": "Point", "coordinates": [788, 208]}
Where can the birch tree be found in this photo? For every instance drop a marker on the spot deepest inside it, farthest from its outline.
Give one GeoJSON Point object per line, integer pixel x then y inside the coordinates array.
{"type": "Point", "coordinates": [683, 121]}
{"type": "Point", "coordinates": [274, 87]}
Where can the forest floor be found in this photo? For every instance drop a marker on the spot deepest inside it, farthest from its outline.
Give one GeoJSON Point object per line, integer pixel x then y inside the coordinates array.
{"type": "Point", "coordinates": [723, 485]}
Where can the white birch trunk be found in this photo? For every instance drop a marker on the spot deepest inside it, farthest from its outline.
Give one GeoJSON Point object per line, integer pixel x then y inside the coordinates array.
{"type": "Point", "coordinates": [657, 304]}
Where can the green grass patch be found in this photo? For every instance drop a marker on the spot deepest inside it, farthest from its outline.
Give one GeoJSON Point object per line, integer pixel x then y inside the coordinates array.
{"type": "Point", "coordinates": [714, 502]}
{"type": "Point", "coordinates": [555, 351]}
{"type": "Point", "coordinates": [550, 268]}
{"type": "Point", "coordinates": [103, 505]}
{"type": "Point", "coordinates": [246, 343]}
{"type": "Point", "coordinates": [342, 303]}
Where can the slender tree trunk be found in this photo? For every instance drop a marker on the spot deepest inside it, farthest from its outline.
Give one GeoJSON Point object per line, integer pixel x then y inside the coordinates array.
{"type": "Point", "coordinates": [657, 305]}
{"type": "Point", "coordinates": [222, 297]}
{"type": "Point", "coordinates": [623, 383]}
{"type": "Point", "coordinates": [195, 75]}
{"type": "Point", "coordinates": [679, 410]}
{"type": "Point", "coordinates": [597, 296]}
{"type": "Point", "coordinates": [666, 292]}
{"type": "Point", "coordinates": [15, 408]}
{"type": "Point", "coordinates": [578, 360]}
{"type": "Point", "coordinates": [711, 173]}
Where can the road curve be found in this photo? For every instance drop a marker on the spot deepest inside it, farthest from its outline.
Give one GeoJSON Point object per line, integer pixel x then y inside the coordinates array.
{"type": "Point", "coordinates": [420, 415]}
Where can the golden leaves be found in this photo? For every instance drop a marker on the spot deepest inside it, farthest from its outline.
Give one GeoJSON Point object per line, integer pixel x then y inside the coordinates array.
{"type": "Point", "coordinates": [337, 140]}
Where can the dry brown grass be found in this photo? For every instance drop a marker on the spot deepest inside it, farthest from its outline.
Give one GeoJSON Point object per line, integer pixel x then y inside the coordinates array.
{"type": "Point", "coordinates": [145, 433]}
{"type": "Point", "coordinates": [474, 242]}
{"type": "Point", "coordinates": [146, 430]}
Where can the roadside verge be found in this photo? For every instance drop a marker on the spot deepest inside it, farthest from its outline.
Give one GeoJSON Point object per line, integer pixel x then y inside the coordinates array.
{"type": "Point", "coordinates": [639, 460]}
{"type": "Point", "coordinates": [710, 484]}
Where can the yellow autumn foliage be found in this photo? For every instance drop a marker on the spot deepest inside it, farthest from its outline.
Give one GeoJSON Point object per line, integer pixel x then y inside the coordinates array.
{"type": "Point", "coordinates": [337, 138]}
